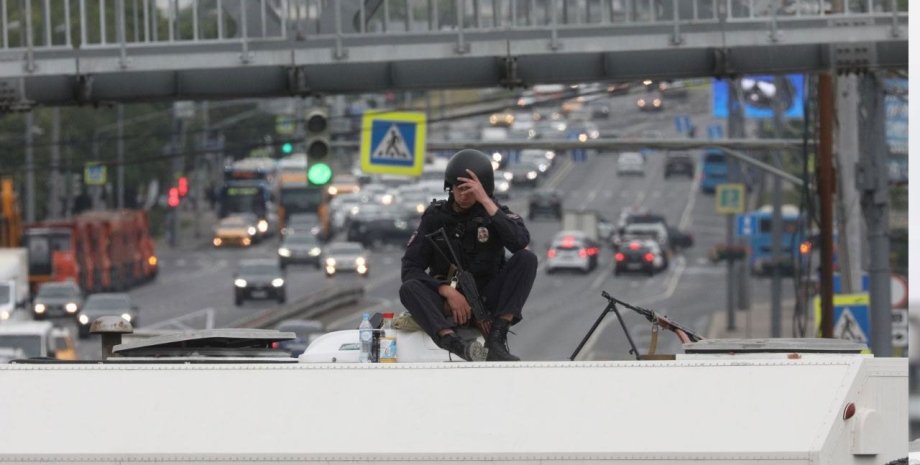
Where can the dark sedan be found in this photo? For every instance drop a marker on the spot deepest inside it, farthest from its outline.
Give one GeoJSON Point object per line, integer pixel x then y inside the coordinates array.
{"type": "Point", "coordinates": [679, 163]}
{"type": "Point", "coordinates": [545, 202]}
{"type": "Point", "coordinates": [302, 247]}
{"type": "Point", "coordinates": [259, 279]}
{"type": "Point", "coordinates": [106, 304]}
{"type": "Point", "coordinates": [377, 231]}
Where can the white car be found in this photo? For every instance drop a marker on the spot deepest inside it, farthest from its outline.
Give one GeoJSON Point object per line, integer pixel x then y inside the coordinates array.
{"type": "Point", "coordinates": [631, 163]}
{"type": "Point", "coordinates": [572, 250]}
{"type": "Point", "coordinates": [655, 231]}
{"type": "Point", "coordinates": [345, 257]}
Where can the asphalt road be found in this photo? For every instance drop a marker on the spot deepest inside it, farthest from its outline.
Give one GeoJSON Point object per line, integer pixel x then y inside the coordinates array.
{"type": "Point", "coordinates": [194, 288]}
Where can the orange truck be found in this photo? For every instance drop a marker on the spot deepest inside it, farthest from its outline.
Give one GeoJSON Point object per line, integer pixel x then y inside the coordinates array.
{"type": "Point", "coordinates": [106, 250]}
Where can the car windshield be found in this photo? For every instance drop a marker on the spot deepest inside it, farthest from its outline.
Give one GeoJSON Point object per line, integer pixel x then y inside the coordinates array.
{"type": "Point", "coordinates": [259, 269]}
{"type": "Point", "coordinates": [55, 291]}
{"type": "Point", "coordinates": [300, 240]}
{"type": "Point", "coordinates": [5, 293]}
{"type": "Point", "coordinates": [108, 303]}
{"type": "Point", "coordinates": [233, 222]}
{"type": "Point", "coordinates": [345, 249]}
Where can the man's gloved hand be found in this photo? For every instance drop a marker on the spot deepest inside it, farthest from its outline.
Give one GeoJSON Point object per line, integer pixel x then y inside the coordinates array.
{"type": "Point", "coordinates": [456, 303]}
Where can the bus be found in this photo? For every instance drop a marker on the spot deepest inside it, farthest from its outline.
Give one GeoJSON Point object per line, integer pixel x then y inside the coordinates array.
{"type": "Point", "coordinates": [714, 170]}
{"type": "Point", "coordinates": [250, 186]}
{"type": "Point", "coordinates": [756, 228]}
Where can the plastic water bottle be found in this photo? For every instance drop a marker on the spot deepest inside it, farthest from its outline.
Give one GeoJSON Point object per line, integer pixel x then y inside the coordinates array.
{"type": "Point", "coordinates": [388, 340]}
{"type": "Point", "coordinates": [366, 333]}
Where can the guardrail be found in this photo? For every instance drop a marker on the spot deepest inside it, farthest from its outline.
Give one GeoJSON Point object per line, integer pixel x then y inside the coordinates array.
{"type": "Point", "coordinates": [316, 304]}
{"type": "Point", "coordinates": [66, 24]}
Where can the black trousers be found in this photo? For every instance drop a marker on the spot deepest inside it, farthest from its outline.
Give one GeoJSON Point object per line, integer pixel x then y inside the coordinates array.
{"type": "Point", "coordinates": [506, 293]}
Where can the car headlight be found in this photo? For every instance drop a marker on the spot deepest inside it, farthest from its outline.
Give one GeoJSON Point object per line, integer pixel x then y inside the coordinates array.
{"type": "Point", "coordinates": [493, 119]}
{"type": "Point", "coordinates": [247, 241]}
{"type": "Point", "coordinates": [542, 167]}
{"type": "Point", "coordinates": [152, 260]}
{"type": "Point", "coordinates": [360, 261]}
{"type": "Point", "coordinates": [39, 308]}
{"type": "Point", "coordinates": [582, 137]}
{"type": "Point", "coordinates": [83, 319]}
{"type": "Point", "coordinates": [531, 175]}
{"type": "Point", "coordinates": [496, 156]}
{"type": "Point", "coordinates": [71, 307]}
{"type": "Point", "coordinates": [508, 176]}
{"type": "Point", "coordinates": [239, 282]}
{"type": "Point", "coordinates": [420, 208]}
{"type": "Point", "coordinates": [595, 134]}
{"type": "Point", "coordinates": [126, 317]}
{"type": "Point", "coordinates": [354, 210]}
{"type": "Point", "coordinates": [263, 226]}
{"type": "Point", "coordinates": [387, 199]}
{"type": "Point", "coordinates": [641, 102]}
{"type": "Point", "coordinates": [333, 190]}
{"type": "Point", "coordinates": [314, 252]}
{"type": "Point", "coordinates": [277, 282]}
{"type": "Point", "coordinates": [495, 165]}
{"type": "Point", "coordinates": [4, 315]}
{"type": "Point", "coordinates": [656, 102]}
{"type": "Point", "coordinates": [217, 242]}
{"type": "Point", "coordinates": [284, 252]}
{"type": "Point", "coordinates": [330, 261]}
{"type": "Point", "coordinates": [549, 155]}
{"type": "Point", "coordinates": [362, 269]}
{"type": "Point", "coordinates": [251, 230]}
{"type": "Point", "coordinates": [503, 186]}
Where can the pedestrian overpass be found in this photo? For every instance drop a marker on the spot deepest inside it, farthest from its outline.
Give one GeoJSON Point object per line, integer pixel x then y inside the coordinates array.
{"type": "Point", "coordinates": [74, 52]}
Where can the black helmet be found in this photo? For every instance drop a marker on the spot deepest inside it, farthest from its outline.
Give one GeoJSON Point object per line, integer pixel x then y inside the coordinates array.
{"type": "Point", "coordinates": [475, 161]}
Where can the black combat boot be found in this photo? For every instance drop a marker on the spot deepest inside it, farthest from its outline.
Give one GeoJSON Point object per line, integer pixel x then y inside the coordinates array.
{"type": "Point", "coordinates": [497, 342]}
{"type": "Point", "coordinates": [467, 350]}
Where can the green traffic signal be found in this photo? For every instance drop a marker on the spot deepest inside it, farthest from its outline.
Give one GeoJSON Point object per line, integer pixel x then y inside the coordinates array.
{"type": "Point", "coordinates": [287, 147]}
{"type": "Point", "coordinates": [319, 174]}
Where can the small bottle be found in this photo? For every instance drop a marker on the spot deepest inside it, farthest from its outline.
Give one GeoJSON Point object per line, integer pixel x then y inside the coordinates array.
{"type": "Point", "coordinates": [365, 333]}
{"type": "Point", "coordinates": [388, 340]}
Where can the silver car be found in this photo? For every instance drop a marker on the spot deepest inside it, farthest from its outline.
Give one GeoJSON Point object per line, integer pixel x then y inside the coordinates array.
{"type": "Point", "coordinates": [57, 299]}
{"type": "Point", "coordinates": [572, 250]}
{"type": "Point", "coordinates": [345, 256]}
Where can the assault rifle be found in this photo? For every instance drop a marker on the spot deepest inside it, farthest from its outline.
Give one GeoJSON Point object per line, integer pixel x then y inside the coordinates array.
{"type": "Point", "coordinates": [464, 280]}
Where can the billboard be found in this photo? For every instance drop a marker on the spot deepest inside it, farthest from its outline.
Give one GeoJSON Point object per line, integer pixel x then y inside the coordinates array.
{"type": "Point", "coordinates": [761, 93]}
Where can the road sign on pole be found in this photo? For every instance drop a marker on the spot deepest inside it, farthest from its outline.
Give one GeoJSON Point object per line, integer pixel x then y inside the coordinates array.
{"type": "Point", "coordinates": [730, 198]}
{"type": "Point", "coordinates": [393, 143]}
{"type": "Point", "coordinates": [851, 317]}
{"type": "Point", "coordinates": [94, 174]}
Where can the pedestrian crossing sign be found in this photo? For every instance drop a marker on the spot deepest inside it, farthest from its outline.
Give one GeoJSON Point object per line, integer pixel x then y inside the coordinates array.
{"type": "Point", "coordinates": [393, 143]}
{"type": "Point", "coordinates": [94, 174]}
{"type": "Point", "coordinates": [851, 317]}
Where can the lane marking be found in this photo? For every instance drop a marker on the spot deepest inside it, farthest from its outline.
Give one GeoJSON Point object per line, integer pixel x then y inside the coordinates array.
{"type": "Point", "coordinates": [685, 217]}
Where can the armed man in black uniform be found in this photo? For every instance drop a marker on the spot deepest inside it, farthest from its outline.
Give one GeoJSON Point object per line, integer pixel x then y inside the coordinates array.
{"type": "Point", "coordinates": [479, 231]}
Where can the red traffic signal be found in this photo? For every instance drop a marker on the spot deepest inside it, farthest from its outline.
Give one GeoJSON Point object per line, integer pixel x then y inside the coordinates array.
{"type": "Point", "coordinates": [173, 198]}
{"type": "Point", "coordinates": [183, 186]}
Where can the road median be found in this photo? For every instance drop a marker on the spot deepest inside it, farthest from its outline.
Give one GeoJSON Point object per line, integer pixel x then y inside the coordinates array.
{"type": "Point", "coordinates": [316, 304]}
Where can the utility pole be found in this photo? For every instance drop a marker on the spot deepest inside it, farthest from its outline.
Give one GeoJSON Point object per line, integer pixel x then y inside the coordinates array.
{"type": "Point", "coordinates": [872, 181]}
{"type": "Point", "coordinates": [778, 223]}
{"type": "Point", "coordinates": [826, 199]}
{"type": "Point", "coordinates": [735, 130]}
{"type": "Point", "coordinates": [54, 190]}
{"type": "Point", "coordinates": [30, 170]}
{"type": "Point", "coordinates": [849, 229]}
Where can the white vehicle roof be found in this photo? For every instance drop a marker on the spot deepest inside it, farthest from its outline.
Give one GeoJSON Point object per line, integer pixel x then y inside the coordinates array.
{"type": "Point", "coordinates": [25, 327]}
{"type": "Point", "coordinates": [631, 157]}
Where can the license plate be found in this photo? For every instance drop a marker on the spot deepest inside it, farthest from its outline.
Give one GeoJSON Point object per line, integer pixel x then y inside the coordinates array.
{"type": "Point", "coordinates": [259, 294]}
{"type": "Point", "coordinates": [633, 266]}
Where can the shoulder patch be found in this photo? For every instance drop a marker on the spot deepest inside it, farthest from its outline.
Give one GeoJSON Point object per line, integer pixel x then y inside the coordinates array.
{"type": "Point", "coordinates": [412, 238]}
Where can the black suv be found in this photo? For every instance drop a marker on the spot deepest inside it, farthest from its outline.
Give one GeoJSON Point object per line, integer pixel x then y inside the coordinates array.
{"type": "Point", "coordinates": [679, 163]}
{"type": "Point", "coordinates": [545, 202]}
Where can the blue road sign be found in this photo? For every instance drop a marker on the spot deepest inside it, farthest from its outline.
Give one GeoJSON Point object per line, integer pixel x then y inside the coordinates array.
{"type": "Point", "coordinates": [744, 225]}
{"type": "Point", "coordinates": [759, 94]}
{"type": "Point", "coordinates": [393, 143]}
{"type": "Point", "coordinates": [715, 131]}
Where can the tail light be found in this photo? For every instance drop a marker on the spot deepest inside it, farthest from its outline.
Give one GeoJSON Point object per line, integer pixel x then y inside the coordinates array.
{"type": "Point", "coordinates": [649, 257]}
{"type": "Point", "coordinates": [619, 257]}
{"type": "Point", "coordinates": [551, 253]}
{"type": "Point", "coordinates": [592, 251]}
{"type": "Point", "coordinates": [276, 345]}
{"type": "Point", "coordinates": [582, 253]}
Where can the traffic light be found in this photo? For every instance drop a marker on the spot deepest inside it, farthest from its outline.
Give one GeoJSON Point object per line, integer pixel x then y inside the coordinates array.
{"type": "Point", "coordinates": [316, 144]}
{"type": "Point", "coordinates": [287, 148]}
{"type": "Point", "coordinates": [173, 198]}
{"type": "Point", "coordinates": [183, 186]}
